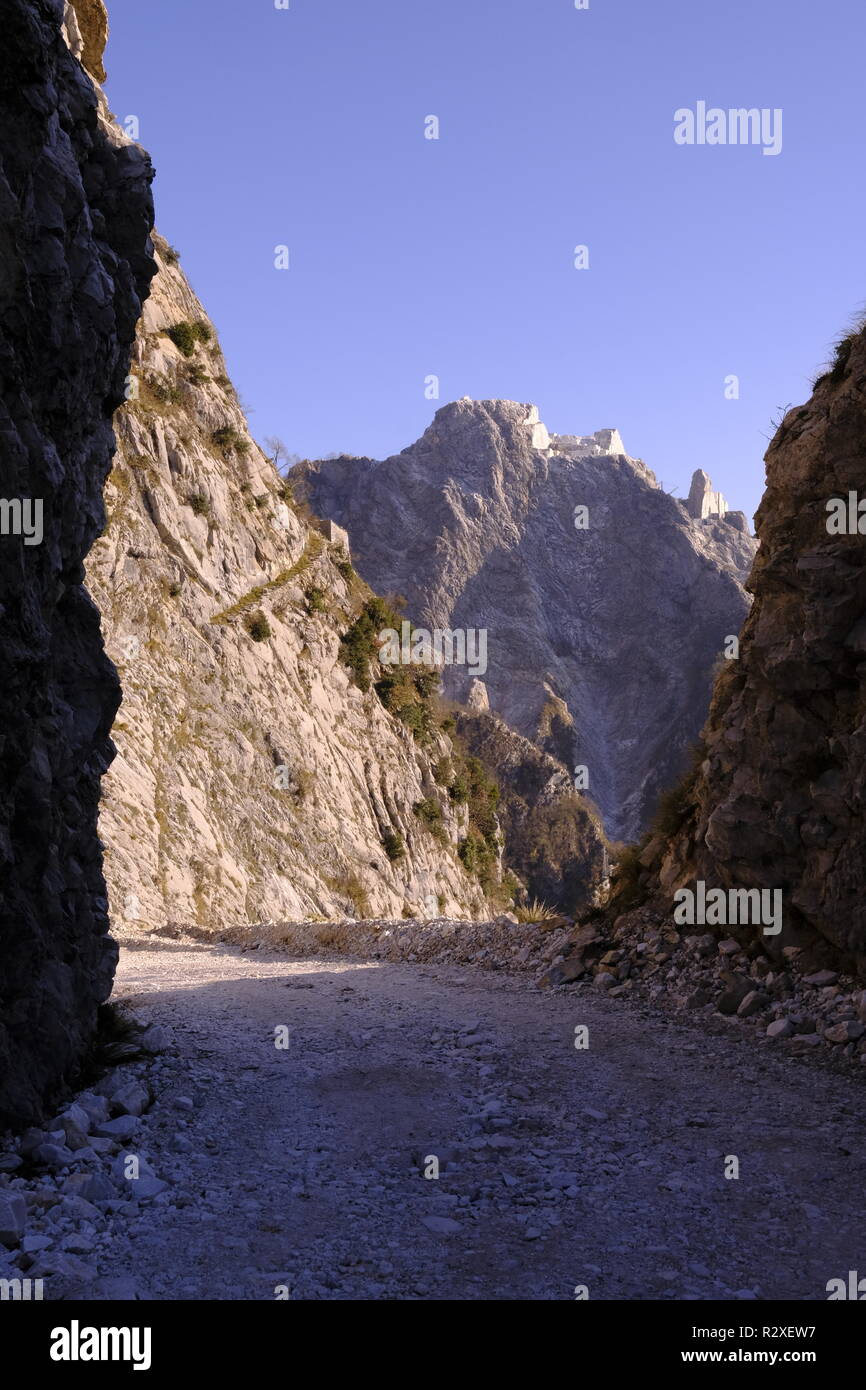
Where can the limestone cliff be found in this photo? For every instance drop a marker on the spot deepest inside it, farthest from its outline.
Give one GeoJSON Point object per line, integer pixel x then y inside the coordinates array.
{"type": "Point", "coordinates": [606, 605]}
{"type": "Point", "coordinates": [75, 216]}
{"type": "Point", "coordinates": [778, 799]}
{"type": "Point", "coordinates": [253, 778]}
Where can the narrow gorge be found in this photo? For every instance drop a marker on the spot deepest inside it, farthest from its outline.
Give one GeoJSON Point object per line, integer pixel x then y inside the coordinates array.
{"type": "Point", "coordinates": [349, 805]}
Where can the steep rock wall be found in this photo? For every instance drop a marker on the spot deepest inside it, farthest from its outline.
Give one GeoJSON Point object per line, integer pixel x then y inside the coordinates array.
{"type": "Point", "coordinates": [253, 778]}
{"type": "Point", "coordinates": [778, 801]}
{"type": "Point", "coordinates": [75, 214]}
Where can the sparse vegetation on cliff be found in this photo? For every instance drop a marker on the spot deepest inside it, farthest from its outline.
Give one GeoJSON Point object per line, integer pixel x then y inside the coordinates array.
{"type": "Point", "coordinates": [199, 504]}
{"type": "Point", "coordinates": [394, 845]}
{"type": "Point", "coordinates": [430, 813]}
{"type": "Point", "coordinates": [406, 691]}
{"type": "Point", "coordinates": [229, 441]}
{"type": "Point", "coordinates": [186, 336]}
{"type": "Point", "coordinates": [841, 353]}
{"type": "Point", "coordinates": [258, 627]}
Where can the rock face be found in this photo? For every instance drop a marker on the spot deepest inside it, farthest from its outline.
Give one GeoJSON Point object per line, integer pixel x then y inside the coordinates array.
{"type": "Point", "coordinates": [602, 444]}
{"type": "Point", "coordinates": [253, 778]}
{"type": "Point", "coordinates": [703, 501]}
{"type": "Point", "coordinates": [778, 801]}
{"type": "Point", "coordinates": [553, 836]}
{"type": "Point", "coordinates": [75, 214]}
{"type": "Point", "coordinates": [86, 30]}
{"type": "Point", "coordinates": [605, 604]}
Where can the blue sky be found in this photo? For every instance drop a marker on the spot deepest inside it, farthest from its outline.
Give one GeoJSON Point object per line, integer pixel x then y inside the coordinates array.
{"type": "Point", "coordinates": [455, 257]}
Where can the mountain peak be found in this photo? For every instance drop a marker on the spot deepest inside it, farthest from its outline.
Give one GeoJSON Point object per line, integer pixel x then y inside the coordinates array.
{"type": "Point", "coordinates": [602, 444]}
{"type": "Point", "coordinates": [606, 443]}
{"type": "Point", "coordinates": [486, 507]}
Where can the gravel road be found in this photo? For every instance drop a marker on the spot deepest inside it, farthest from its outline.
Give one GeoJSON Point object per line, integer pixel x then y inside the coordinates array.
{"type": "Point", "coordinates": [564, 1171]}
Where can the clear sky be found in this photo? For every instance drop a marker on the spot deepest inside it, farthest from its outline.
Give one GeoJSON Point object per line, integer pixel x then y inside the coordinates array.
{"type": "Point", "coordinates": [411, 257]}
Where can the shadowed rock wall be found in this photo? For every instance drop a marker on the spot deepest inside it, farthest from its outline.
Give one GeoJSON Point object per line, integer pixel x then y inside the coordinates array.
{"type": "Point", "coordinates": [75, 216]}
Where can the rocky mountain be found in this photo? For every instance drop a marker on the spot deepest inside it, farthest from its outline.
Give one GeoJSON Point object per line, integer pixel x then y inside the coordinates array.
{"type": "Point", "coordinates": [75, 263]}
{"type": "Point", "coordinates": [777, 800]}
{"type": "Point", "coordinates": [605, 602]}
{"type": "Point", "coordinates": [253, 778]}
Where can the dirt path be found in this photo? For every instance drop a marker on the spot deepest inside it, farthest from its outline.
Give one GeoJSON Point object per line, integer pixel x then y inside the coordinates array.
{"type": "Point", "coordinates": [559, 1166]}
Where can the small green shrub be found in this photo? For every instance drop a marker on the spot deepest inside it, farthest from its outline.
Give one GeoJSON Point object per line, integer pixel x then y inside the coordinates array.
{"type": "Point", "coordinates": [473, 853]}
{"type": "Point", "coordinates": [359, 646]}
{"type": "Point", "coordinates": [227, 440]}
{"type": "Point", "coordinates": [391, 688]}
{"type": "Point", "coordinates": [394, 845]}
{"type": "Point", "coordinates": [483, 799]}
{"type": "Point", "coordinates": [459, 788]}
{"type": "Point", "coordinates": [416, 718]}
{"type": "Point", "coordinates": [444, 772]}
{"type": "Point", "coordinates": [199, 504]}
{"type": "Point", "coordinates": [426, 681]}
{"type": "Point", "coordinates": [479, 851]}
{"type": "Point", "coordinates": [317, 600]}
{"type": "Point", "coordinates": [165, 391]}
{"type": "Point", "coordinates": [258, 627]}
{"type": "Point", "coordinates": [406, 691]}
{"type": "Point", "coordinates": [174, 588]}
{"type": "Point", "coordinates": [186, 336]}
{"type": "Point", "coordinates": [429, 812]}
